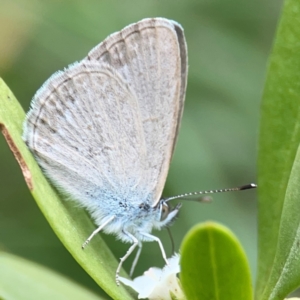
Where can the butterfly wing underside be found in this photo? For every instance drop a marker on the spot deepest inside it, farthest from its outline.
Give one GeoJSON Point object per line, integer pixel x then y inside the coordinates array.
{"type": "Point", "coordinates": [106, 127]}
{"type": "Point", "coordinates": [152, 56]}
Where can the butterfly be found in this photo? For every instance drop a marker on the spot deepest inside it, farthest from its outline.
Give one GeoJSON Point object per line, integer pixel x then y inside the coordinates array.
{"type": "Point", "coordinates": [104, 129]}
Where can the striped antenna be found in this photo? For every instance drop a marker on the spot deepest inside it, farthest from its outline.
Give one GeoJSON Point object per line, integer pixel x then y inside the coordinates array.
{"type": "Point", "coordinates": [240, 188]}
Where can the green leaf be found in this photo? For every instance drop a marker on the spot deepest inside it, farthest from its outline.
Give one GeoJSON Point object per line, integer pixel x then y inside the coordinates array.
{"type": "Point", "coordinates": [71, 224]}
{"type": "Point", "coordinates": [23, 279]}
{"type": "Point", "coordinates": [278, 164]}
{"type": "Point", "coordinates": [214, 265]}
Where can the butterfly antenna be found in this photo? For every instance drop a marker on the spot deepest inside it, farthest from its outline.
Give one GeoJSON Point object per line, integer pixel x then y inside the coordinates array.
{"type": "Point", "coordinates": [239, 188]}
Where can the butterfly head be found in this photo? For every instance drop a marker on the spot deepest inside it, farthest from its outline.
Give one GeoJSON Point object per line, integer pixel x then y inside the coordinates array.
{"type": "Point", "coordinates": [166, 213]}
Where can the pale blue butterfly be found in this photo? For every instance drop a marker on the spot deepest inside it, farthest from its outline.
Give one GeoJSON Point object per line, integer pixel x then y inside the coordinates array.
{"type": "Point", "coordinates": [104, 129]}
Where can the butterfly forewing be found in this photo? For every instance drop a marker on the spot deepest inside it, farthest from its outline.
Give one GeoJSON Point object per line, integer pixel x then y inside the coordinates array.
{"type": "Point", "coordinates": [138, 85]}
{"type": "Point", "coordinates": [151, 56]}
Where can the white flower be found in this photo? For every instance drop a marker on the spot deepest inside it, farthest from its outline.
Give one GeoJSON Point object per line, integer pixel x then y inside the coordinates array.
{"type": "Point", "coordinates": [157, 284]}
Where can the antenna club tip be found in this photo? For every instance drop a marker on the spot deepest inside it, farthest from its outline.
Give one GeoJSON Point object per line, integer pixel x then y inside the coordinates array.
{"type": "Point", "coordinates": [248, 186]}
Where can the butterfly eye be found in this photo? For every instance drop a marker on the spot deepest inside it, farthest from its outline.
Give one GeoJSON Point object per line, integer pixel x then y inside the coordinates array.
{"type": "Point", "coordinates": [165, 209]}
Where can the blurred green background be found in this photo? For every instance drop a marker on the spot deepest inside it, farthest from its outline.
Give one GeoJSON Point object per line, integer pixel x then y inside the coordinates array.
{"type": "Point", "coordinates": [228, 42]}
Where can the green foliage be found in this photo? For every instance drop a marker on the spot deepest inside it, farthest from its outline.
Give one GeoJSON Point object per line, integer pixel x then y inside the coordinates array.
{"type": "Point", "coordinates": [278, 163]}
{"type": "Point", "coordinates": [214, 265]}
{"type": "Point", "coordinates": [22, 279]}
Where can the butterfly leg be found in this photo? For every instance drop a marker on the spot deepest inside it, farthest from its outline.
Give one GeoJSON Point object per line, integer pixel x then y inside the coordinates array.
{"type": "Point", "coordinates": [156, 239]}
{"type": "Point", "coordinates": [137, 256]}
{"type": "Point", "coordinates": [135, 242]}
{"type": "Point", "coordinates": [96, 231]}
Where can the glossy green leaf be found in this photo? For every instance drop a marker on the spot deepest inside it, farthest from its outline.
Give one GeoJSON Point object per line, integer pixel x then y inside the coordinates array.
{"type": "Point", "coordinates": [278, 164]}
{"type": "Point", "coordinates": [22, 279]}
{"type": "Point", "coordinates": [214, 265]}
{"type": "Point", "coordinates": [72, 225]}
